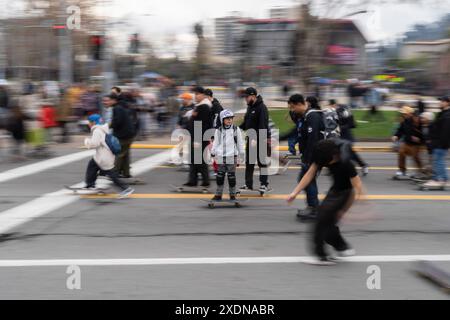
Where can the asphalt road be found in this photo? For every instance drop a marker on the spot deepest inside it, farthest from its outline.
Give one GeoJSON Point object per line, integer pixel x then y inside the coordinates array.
{"type": "Point", "coordinates": [51, 232]}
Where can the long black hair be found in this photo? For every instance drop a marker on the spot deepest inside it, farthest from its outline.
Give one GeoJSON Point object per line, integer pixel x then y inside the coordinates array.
{"type": "Point", "coordinates": [314, 103]}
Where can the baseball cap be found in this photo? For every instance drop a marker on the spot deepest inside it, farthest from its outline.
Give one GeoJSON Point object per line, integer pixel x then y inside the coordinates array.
{"type": "Point", "coordinates": [250, 92]}
{"type": "Point", "coordinates": [95, 118]}
{"type": "Point", "coordinates": [445, 99]}
{"type": "Point", "coordinates": [209, 93]}
{"type": "Point", "coordinates": [186, 96]}
{"type": "Point", "coordinates": [200, 90]}
{"type": "Point", "coordinates": [406, 110]}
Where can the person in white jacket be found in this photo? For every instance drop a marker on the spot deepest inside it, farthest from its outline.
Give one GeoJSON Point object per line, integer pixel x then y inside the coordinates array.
{"type": "Point", "coordinates": [228, 150]}
{"type": "Point", "coordinates": [103, 161]}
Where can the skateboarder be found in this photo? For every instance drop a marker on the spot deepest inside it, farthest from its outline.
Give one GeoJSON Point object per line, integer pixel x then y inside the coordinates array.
{"type": "Point", "coordinates": [347, 187]}
{"type": "Point", "coordinates": [228, 148]}
{"type": "Point", "coordinates": [103, 161]}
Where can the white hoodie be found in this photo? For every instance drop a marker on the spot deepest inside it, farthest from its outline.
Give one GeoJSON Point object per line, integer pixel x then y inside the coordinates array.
{"type": "Point", "coordinates": [224, 145]}
{"type": "Point", "coordinates": [103, 156]}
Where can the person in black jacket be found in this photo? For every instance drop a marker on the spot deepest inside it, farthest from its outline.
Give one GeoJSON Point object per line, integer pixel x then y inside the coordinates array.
{"type": "Point", "coordinates": [310, 130]}
{"type": "Point", "coordinates": [257, 121]}
{"type": "Point", "coordinates": [202, 116]}
{"type": "Point", "coordinates": [216, 108]}
{"type": "Point", "coordinates": [410, 132]}
{"type": "Point", "coordinates": [123, 129]}
{"type": "Point", "coordinates": [440, 142]}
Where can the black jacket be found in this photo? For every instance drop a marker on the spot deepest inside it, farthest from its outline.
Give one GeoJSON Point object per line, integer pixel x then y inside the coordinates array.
{"type": "Point", "coordinates": [216, 109]}
{"type": "Point", "coordinates": [310, 133]}
{"type": "Point", "coordinates": [202, 114]}
{"type": "Point", "coordinates": [440, 131]}
{"type": "Point", "coordinates": [122, 123]}
{"type": "Point", "coordinates": [257, 117]}
{"type": "Point", "coordinates": [408, 129]}
{"type": "Point", "coordinates": [182, 120]}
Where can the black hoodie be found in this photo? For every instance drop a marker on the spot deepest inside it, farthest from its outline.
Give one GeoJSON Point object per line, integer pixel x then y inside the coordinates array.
{"type": "Point", "coordinates": [257, 117]}
{"type": "Point", "coordinates": [440, 131]}
{"type": "Point", "coordinates": [216, 109]}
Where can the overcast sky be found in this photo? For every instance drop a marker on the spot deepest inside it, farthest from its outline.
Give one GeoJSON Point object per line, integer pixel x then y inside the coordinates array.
{"type": "Point", "coordinates": [159, 20]}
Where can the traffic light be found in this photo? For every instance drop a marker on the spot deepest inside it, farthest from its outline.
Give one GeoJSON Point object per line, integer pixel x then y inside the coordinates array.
{"type": "Point", "coordinates": [97, 42]}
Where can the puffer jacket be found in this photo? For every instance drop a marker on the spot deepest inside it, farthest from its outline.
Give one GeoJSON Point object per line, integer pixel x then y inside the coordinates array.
{"type": "Point", "coordinates": [103, 156]}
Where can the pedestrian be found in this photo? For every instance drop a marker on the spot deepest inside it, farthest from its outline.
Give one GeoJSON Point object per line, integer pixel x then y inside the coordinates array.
{"type": "Point", "coordinates": [201, 116]}
{"type": "Point", "coordinates": [17, 128]}
{"type": "Point", "coordinates": [346, 187]}
{"type": "Point", "coordinates": [216, 108]}
{"type": "Point", "coordinates": [410, 134]}
{"type": "Point", "coordinates": [347, 123]}
{"type": "Point", "coordinates": [426, 119]}
{"type": "Point", "coordinates": [257, 120]}
{"type": "Point", "coordinates": [227, 149]}
{"type": "Point", "coordinates": [103, 161]}
{"type": "Point", "coordinates": [310, 126]}
{"type": "Point", "coordinates": [186, 107]}
{"type": "Point", "coordinates": [440, 140]}
{"type": "Point", "coordinates": [122, 126]}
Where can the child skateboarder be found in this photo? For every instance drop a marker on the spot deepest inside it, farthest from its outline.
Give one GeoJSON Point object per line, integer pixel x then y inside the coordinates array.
{"type": "Point", "coordinates": [103, 161]}
{"type": "Point", "coordinates": [334, 154]}
{"type": "Point", "coordinates": [228, 148]}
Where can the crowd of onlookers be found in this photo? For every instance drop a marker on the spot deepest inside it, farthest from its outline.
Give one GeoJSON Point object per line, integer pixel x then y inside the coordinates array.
{"type": "Point", "coordinates": [35, 116]}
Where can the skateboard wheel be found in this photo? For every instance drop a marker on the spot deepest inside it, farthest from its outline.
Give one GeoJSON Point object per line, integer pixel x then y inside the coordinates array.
{"type": "Point", "coordinates": [211, 205]}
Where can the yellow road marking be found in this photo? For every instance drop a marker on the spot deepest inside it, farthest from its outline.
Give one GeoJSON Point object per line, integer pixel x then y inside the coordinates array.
{"type": "Point", "coordinates": [163, 196]}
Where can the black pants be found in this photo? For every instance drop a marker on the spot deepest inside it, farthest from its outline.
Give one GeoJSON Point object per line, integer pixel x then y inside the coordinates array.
{"type": "Point", "coordinates": [250, 169]}
{"type": "Point", "coordinates": [356, 158]}
{"type": "Point", "coordinates": [93, 171]}
{"type": "Point", "coordinates": [122, 165]}
{"type": "Point", "coordinates": [326, 229]}
{"type": "Point", "coordinates": [194, 170]}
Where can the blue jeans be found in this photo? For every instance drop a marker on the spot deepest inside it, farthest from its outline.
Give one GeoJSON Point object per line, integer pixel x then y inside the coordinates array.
{"type": "Point", "coordinates": [312, 193]}
{"type": "Point", "coordinates": [292, 142]}
{"type": "Point", "coordinates": [439, 165]}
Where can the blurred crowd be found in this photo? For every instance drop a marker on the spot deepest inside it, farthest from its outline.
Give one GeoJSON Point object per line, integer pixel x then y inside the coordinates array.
{"type": "Point", "coordinates": [33, 117]}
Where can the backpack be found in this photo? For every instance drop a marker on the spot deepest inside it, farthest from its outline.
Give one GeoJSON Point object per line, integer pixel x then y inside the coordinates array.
{"type": "Point", "coordinates": [113, 144]}
{"type": "Point", "coordinates": [330, 123]}
{"type": "Point", "coordinates": [345, 116]}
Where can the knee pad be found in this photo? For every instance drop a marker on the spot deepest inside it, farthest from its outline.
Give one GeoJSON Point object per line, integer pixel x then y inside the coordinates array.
{"type": "Point", "coordinates": [232, 179]}
{"type": "Point", "coordinates": [220, 178]}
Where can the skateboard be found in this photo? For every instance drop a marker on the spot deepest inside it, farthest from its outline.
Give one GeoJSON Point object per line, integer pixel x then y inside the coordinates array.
{"type": "Point", "coordinates": [431, 272]}
{"type": "Point", "coordinates": [212, 203]}
{"type": "Point", "coordinates": [184, 189]}
{"type": "Point", "coordinates": [401, 178]}
{"type": "Point", "coordinates": [84, 191]}
{"type": "Point", "coordinates": [253, 192]}
{"type": "Point", "coordinates": [130, 181]}
{"type": "Point", "coordinates": [422, 187]}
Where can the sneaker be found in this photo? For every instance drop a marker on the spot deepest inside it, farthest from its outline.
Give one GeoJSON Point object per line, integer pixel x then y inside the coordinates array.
{"type": "Point", "coordinates": [322, 261]}
{"type": "Point", "coordinates": [365, 171]}
{"type": "Point", "coordinates": [217, 198]}
{"type": "Point", "coordinates": [308, 213]}
{"type": "Point", "coordinates": [205, 185]}
{"type": "Point", "coordinates": [232, 198]}
{"type": "Point", "coordinates": [245, 188]}
{"type": "Point", "coordinates": [435, 184]}
{"type": "Point", "coordinates": [346, 253]}
{"type": "Point", "coordinates": [189, 185]}
{"type": "Point", "coordinates": [264, 189]}
{"type": "Point", "coordinates": [126, 193]}
{"type": "Point", "coordinates": [401, 174]}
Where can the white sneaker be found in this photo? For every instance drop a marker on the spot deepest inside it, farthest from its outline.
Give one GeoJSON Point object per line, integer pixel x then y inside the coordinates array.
{"type": "Point", "coordinates": [126, 193]}
{"type": "Point", "coordinates": [435, 184]}
{"type": "Point", "coordinates": [346, 253]}
{"type": "Point", "coordinates": [365, 171]}
{"type": "Point", "coordinates": [316, 261]}
{"type": "Point", "coordinates": [400, 174]}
